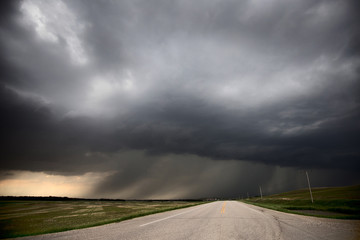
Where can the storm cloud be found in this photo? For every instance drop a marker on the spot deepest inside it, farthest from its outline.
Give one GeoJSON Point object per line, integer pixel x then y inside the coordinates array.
{"type": "Point", "coordinates": [180, 99]}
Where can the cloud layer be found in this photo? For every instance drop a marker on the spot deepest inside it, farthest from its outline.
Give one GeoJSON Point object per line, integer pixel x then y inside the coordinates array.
{"type": "Point", "coordinates": [84, 84]}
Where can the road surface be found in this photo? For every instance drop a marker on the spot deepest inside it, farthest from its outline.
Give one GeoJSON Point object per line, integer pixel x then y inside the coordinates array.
{"type": "Point", "coordinates": [219, 220]}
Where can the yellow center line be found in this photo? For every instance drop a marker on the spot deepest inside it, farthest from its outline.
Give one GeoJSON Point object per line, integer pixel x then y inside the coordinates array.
{"type": "Point", "coordinates": [223, 208]}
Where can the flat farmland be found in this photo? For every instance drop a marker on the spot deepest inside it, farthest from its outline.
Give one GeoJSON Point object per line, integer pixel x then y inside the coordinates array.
{"type": "Point", "coordinates": [32, 217]}
{"type": "Point", "coordinates": [330, 202]}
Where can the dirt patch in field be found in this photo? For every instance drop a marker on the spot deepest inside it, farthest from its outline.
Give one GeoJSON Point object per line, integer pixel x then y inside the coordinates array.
{"type": "Point", "coordinates": [67, 216]}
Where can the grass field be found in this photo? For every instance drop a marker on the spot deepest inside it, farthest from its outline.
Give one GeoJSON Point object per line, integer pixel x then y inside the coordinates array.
{"type": "Point", "coordinates": [24, 217]}
{"type": "Point", "coordinates": [335, 202]}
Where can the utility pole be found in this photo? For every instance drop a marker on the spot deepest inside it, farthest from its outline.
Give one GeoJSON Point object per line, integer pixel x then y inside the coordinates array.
{"type": "Point", "coordinates": [307, 176]}
{"type": "Point", "coordinates": [260, 191]}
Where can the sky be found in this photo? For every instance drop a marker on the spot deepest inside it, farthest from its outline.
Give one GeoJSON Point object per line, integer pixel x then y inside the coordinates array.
{"type": "Point", "coordinates": [158, 99]}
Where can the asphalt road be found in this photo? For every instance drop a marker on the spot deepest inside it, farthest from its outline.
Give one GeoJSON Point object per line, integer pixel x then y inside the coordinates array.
{"type": "Point", "coordinates": [219, 220]}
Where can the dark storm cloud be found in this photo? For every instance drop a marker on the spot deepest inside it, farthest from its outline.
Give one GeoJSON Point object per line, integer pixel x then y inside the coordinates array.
{"type": "Point", "coordinates": [306, 140]}
{"type": "Point", "coordinates": [83, 83]}
{"type": "Point", "coordinates": [34, 140]}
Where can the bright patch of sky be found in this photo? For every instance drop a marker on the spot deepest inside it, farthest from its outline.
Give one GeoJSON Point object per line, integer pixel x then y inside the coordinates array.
{"type": "Point", "coordinates": [26, 183]}
{"type": "Point", "coordinates": [55, 23]}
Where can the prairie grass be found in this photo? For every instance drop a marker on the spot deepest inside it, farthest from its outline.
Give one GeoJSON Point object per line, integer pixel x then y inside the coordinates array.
{"type": "Point", "coordinates": [24, 218]}
{"type": "Point", "coordinates": [336, 202]}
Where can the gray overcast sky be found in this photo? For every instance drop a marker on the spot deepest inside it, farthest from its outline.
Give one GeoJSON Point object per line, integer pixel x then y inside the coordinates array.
{"type": "Point", "coordinates": [181, 99]}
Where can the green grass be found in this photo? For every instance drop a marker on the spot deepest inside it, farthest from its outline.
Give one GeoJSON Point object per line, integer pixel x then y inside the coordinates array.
{"type": "Point", "coordinates": [25, 218]}
{"type": "Point", "coordinates": [335, 202]}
